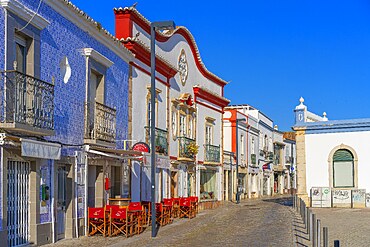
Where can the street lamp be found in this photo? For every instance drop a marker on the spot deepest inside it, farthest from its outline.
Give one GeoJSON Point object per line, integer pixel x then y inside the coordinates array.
{"type": "Point", "coordinates": [154, 26]}
{"type": "Point", "coordinates": [237, 160]}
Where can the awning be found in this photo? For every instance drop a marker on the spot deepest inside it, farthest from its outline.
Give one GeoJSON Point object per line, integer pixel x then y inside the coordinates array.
{"type": "Point", "coordinates": [114, 153]}
{"type": "Point", "coordinates": [161, 161]}
{"type": "Point", "coordinates": [39, 149]}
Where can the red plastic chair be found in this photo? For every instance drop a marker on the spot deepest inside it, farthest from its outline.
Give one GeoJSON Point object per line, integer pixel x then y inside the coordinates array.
{"type": "Point", "coordinates": [96, 221]}
{"type": "Point", "coordinates": [118, 221]}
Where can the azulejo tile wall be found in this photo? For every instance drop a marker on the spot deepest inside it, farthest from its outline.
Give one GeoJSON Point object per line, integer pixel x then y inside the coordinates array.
{"type": "Point", "coordinates": [2, 57]}
{"type": "Point", "coordinates": [62, 39]}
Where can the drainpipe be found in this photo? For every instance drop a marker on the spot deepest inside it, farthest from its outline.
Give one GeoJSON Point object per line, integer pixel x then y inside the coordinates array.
{"type": "Point", "coordinates": [52, 202]}
{"type": "Point", "coordinates": [86, 188]}
{"type": "Point", "coordinates": [76, 195]}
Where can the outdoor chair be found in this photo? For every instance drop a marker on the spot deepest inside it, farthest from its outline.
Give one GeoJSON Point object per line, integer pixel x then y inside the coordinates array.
{"type": "Point", "coordinates": [96, 221]}
{"type": "Point", "coordinates": [135, 212]}
{"type": "Point", "coordinates": [168, 207]}
{"type": "Point", "coordinates": [176, 207]}
{"type": "Point", "coordinates": [118, 221]}
{"type": "Point", "coordinates": [146, 213]}
{"type": "Point", "coordinates": [186, 208]}
{"type": "Point", "coordinates": [161, 215]}
{"type": "Point", "coordinates": [195, 203]}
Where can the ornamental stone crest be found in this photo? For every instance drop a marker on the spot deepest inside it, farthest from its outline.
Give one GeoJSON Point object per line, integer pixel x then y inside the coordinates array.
{"type": "Point", "coordinates": [183, 67]}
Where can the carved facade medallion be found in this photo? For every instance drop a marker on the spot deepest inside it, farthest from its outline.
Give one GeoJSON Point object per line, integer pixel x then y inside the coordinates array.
{"type": "Point", "coordinates": [183, 67]}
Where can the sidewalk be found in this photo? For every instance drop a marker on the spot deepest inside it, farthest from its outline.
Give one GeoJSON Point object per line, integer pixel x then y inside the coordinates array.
{"type": "Point", "coordinates": [254, 222]}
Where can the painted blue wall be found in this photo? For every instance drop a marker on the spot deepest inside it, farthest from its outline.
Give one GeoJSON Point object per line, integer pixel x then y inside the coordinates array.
{"type": "Point", "coordinates": [2, 57]}
{"type": "Point", "coordinates": [63, 38]}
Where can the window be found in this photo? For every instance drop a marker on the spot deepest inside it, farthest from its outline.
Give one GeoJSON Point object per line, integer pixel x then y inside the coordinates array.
{"type": "Point", "coordinates": [191, 127]}
{"type": "Point", "coordinates": [261, 142]}
{"type": "Point", "coordinates": [183, 125]}
{"type": "Point", "coordinates": [174, 122]}
{"type": "Point", "coordinates": [208, 184]}
{"type": "Point", "coordinates": [343, 169]}
{"type": "Point", "coordinates": [252, 146]}
{"type": "Point", "coordinates": [21, 53]}
{"type": "Point", "coordinates": [210, 122]}
{"type": "Point", "coordinates": [242, 145]}
{"type": "Point", "coordinates": [149, 106]}
{"type": "Point", "coordinates": [208, 134]}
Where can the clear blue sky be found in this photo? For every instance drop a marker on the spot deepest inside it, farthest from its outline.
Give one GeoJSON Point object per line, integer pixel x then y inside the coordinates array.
{"type": "Point", "coordinates": [273, 52]}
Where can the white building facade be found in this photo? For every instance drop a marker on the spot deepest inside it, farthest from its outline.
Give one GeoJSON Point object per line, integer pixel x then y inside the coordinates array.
{"type": "Point", "coordinates": [189, 106]}
{"type": "Point", "coordinates": [332, 154]}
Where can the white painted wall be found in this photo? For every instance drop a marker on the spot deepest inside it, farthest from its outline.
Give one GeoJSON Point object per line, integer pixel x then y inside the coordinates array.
{"type": "Point", "coordinates": [318, 148]}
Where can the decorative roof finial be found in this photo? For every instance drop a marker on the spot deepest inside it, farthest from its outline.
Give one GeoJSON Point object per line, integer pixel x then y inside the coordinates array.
{"type": "Point", "coordinates": [301, 105]}
{"type": "Point", "coordinates": [324, 118]}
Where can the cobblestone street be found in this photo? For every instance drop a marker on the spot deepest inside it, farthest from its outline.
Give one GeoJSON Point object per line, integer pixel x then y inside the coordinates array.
{"type": "Point", "coordinates": [260, 222]}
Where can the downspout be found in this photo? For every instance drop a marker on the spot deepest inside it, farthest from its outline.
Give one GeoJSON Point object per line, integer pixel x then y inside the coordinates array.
{"type": "Point", "coordinates": [76, 196]}
{"type": "Point", "coordinates": [86, 189]}
{"type": "Point", "coordinates": [52, 203]}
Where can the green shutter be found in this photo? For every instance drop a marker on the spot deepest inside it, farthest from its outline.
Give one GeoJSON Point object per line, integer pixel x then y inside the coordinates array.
{"type": "Point", "coordinates": [342, 155]}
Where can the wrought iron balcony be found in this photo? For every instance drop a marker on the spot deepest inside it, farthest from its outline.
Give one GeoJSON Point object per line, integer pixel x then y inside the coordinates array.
{"type": "Point", "coordinates": [28, 105]}
{"type": "Point", "coordinates": [186, 148]}
{"type": "Point", "coordinates": [161, 141]}
{"type": "Point", "coordinates": [100, 122]}
{"type": "Point", "coordinates": [211, 153]}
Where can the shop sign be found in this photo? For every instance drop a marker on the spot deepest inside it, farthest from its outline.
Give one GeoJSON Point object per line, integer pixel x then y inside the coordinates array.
{"type": "Point", "coordinates": [253, 170]}
{"type": "Point", "coordinates": [141, 147]}
{"type": "Point", "coordinates": [267, 166]}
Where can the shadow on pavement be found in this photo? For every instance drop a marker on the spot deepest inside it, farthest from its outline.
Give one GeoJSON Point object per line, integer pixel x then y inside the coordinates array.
{"type": "Point", "coordinates": [285, 201]}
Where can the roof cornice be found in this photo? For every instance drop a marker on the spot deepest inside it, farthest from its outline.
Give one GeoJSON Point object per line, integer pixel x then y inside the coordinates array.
{"type": "Point", "coordinates": [92, 27]}
{"type": "Point", "coordinates": [144, 23]}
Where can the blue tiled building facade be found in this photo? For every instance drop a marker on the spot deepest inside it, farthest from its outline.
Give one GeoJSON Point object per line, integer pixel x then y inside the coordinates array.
{"type": "Point", "coordinates": [84, 63]}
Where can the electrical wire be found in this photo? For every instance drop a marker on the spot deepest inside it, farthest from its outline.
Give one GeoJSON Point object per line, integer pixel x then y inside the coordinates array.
{"type": "Point", "coordinates": [37, 10]}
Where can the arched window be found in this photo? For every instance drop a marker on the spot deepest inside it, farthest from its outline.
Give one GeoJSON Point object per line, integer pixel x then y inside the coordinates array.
{"type": "Point", "coordinates": [343, 169]}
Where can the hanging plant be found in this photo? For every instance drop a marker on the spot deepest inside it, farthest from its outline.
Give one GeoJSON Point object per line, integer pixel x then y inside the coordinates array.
{"type": "Point", "coordinates": [193, 148]}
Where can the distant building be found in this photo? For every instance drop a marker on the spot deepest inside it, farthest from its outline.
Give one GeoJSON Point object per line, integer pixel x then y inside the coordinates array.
{"type": "Point", "coordinates": [264, 164]}
{"type": "Point", "coordinates": [331, 153]}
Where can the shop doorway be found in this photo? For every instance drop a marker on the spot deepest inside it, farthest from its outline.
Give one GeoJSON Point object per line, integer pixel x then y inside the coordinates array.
{"type": "Point", "coordinates": [174, 176]}
{"type": "Point", "coordinates": [61, 202]}
{"type": "Point", "coordinates": [18, 203]}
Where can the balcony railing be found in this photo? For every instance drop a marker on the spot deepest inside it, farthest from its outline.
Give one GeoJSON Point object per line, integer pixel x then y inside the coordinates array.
{"type": "Point", "coordinates": [184, 150]}
{"type": "Point", "coordinates": [161, 141]}
{"type": "Point", "coordinates": [253, 159]}
{"type": "Point", "coordinates": [28, 101]}
{"type": "Point", "coordinates": [211, 153]}
{"type": "Point", "coordinates": [100, 122]}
